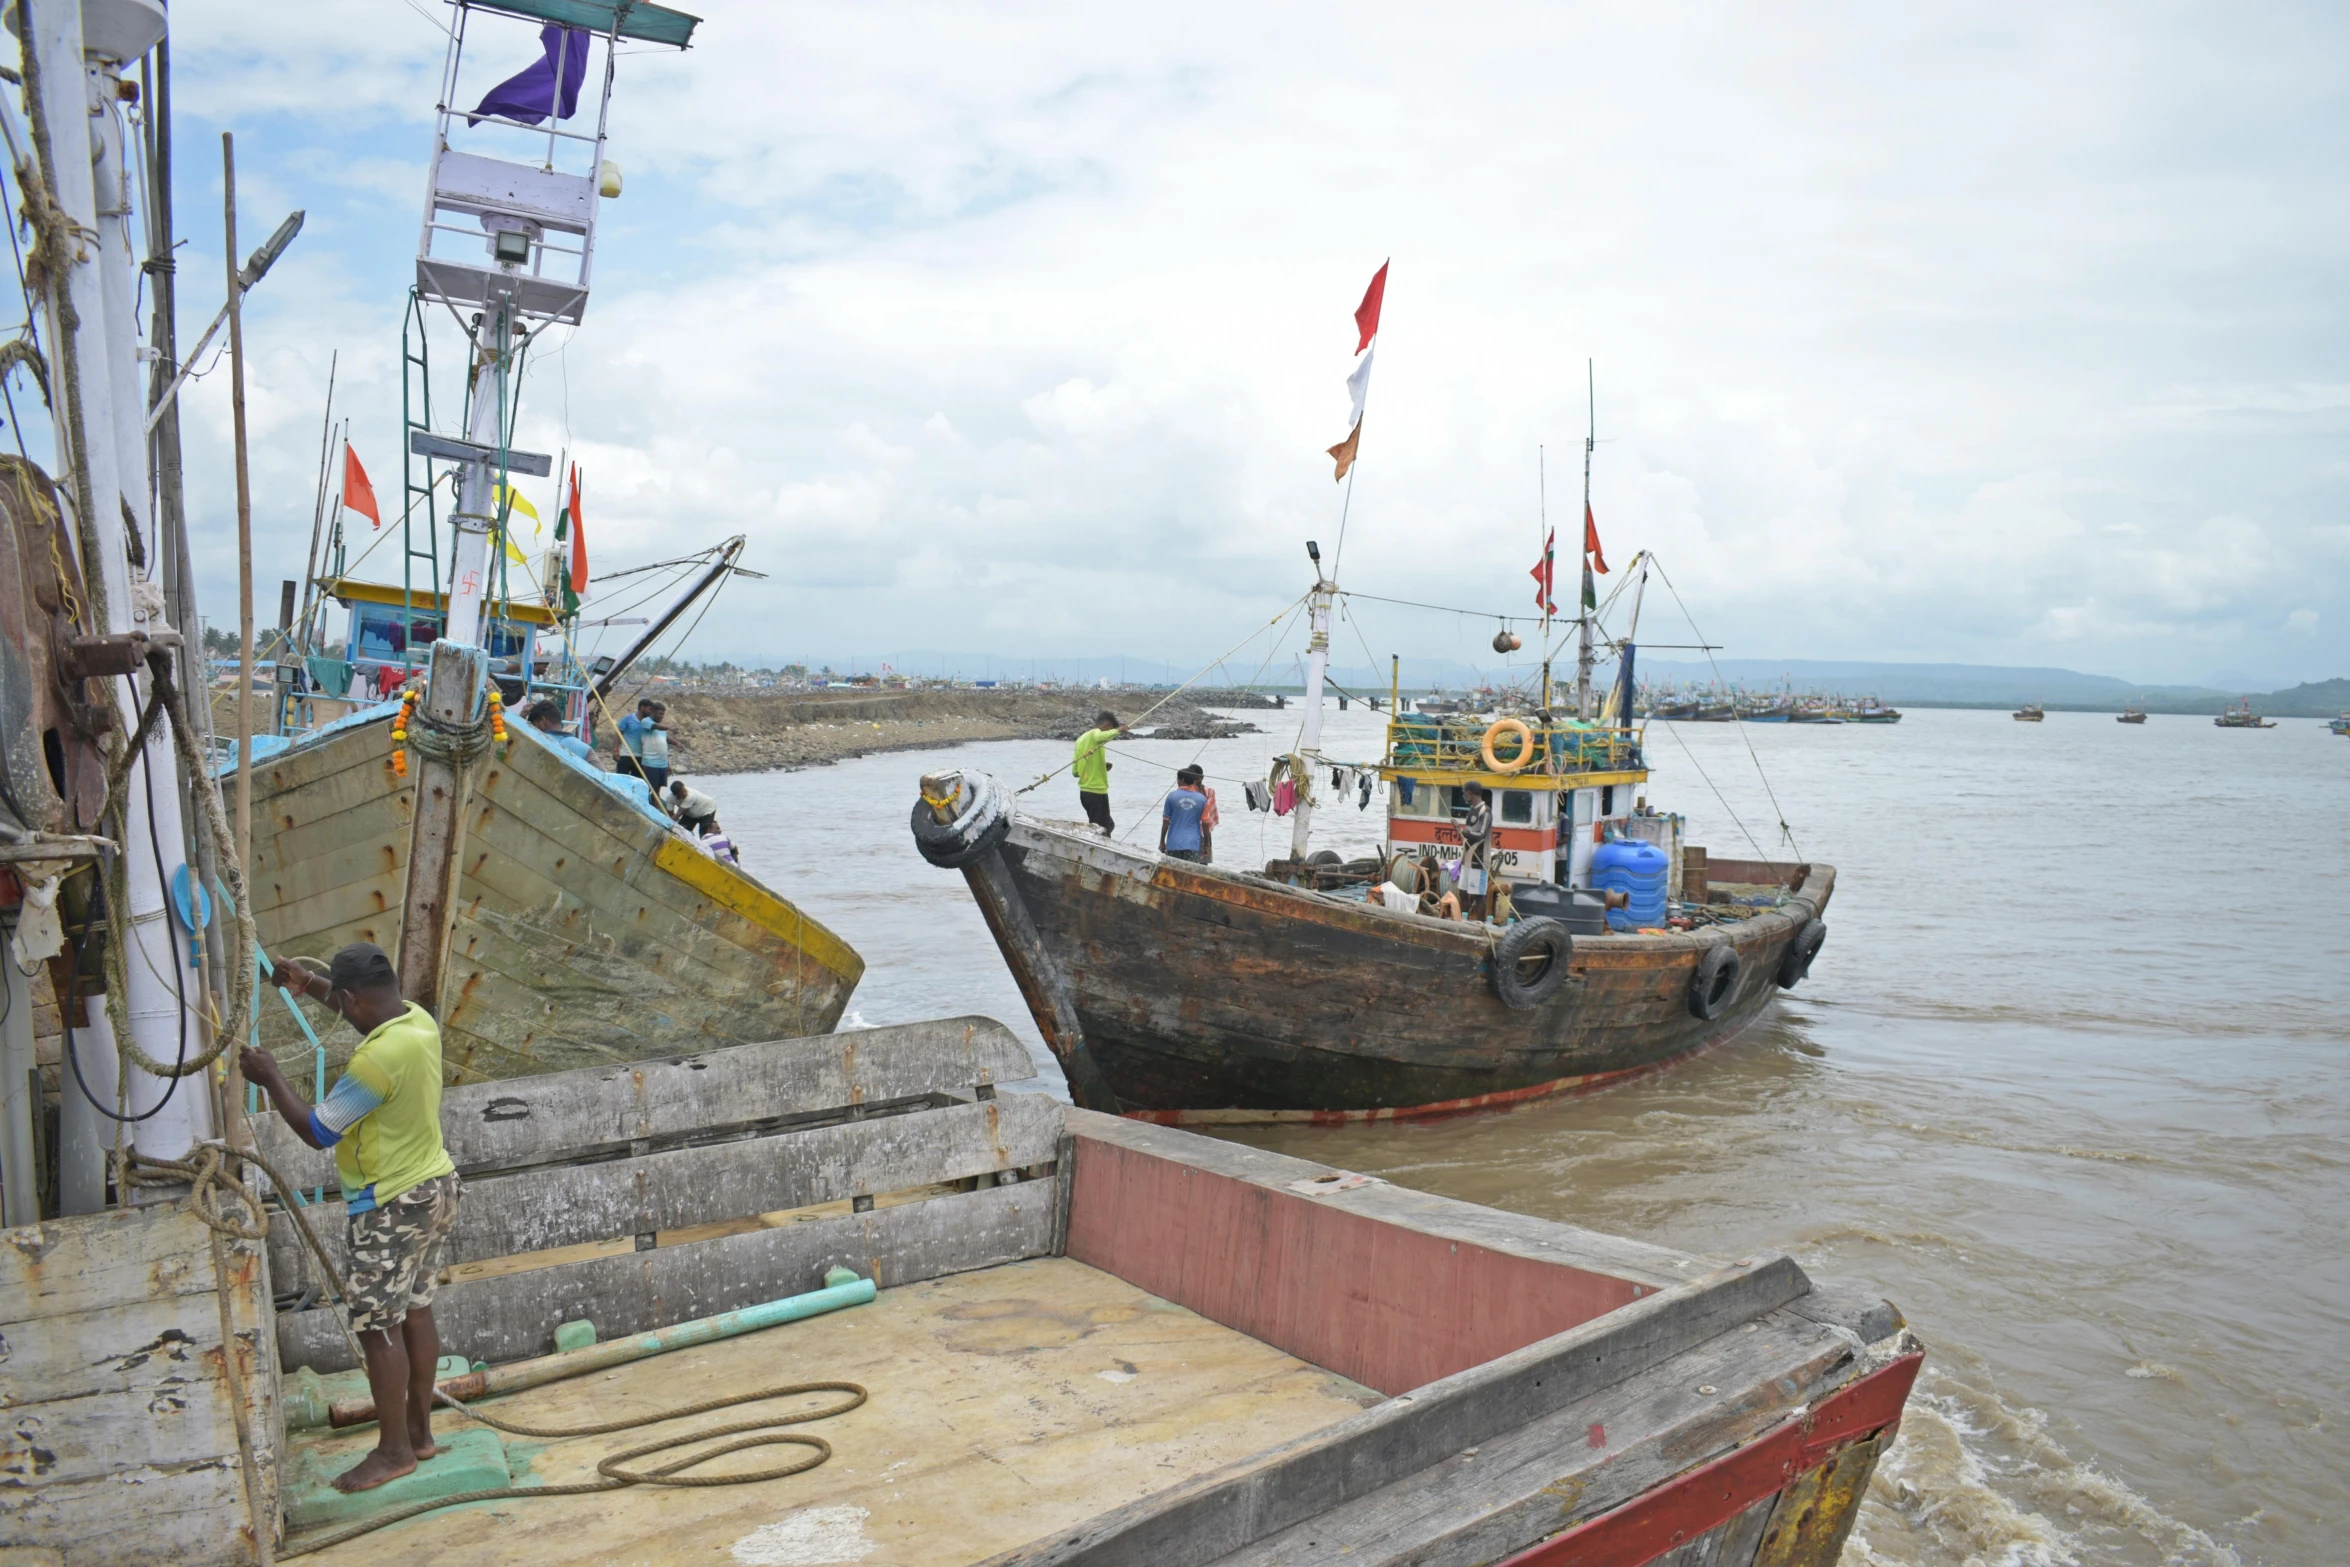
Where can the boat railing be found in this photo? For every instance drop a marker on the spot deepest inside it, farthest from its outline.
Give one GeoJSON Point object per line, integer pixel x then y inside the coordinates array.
{"type": "Point", "coordinates": [1418, 743]}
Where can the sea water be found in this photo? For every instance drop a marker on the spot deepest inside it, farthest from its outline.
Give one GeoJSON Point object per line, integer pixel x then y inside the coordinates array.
{"type": "Point", "coordinates": [2068, 1083]}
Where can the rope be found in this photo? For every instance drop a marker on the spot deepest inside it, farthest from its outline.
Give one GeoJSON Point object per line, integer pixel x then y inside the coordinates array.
{"type": "Point", "coordinates": [458, 745]}
{"type": "Point", "coordinates": [1286, 611]}
{"type": "Point", "coordinates": [612, 1467]}
{"type": "Point", "coordinates": [1785, 831]}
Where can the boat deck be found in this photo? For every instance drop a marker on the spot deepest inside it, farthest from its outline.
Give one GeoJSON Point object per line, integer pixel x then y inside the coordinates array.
{"type": "Point", "coordinates": [1005, 1404]}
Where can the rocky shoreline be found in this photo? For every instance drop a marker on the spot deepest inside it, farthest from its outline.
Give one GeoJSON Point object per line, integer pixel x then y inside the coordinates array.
{"type": "Point", "coordinates": [727, 732]}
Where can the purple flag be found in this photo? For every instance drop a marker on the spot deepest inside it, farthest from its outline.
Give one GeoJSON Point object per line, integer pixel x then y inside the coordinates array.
{"type": "Point", "coordinates": [533, 94]}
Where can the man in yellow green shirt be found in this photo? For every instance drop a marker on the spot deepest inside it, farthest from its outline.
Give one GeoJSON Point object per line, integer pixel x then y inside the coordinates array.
{"type": "Point", "coordinates": [1092, 765]}
{"type": "Point", "coordinates": [400, 1189]}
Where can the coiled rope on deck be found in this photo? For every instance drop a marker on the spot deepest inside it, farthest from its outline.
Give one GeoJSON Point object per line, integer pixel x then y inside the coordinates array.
{"type": "Point", "coordinates": [212, 1186]}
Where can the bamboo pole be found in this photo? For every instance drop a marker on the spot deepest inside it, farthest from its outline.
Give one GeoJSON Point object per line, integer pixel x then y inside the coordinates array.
{"type": "Point", "coordinates": [236, 383]}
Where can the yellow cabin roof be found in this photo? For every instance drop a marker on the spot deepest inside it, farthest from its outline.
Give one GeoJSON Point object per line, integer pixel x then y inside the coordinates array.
{"type": "Point", "coordinates": [351, 590]}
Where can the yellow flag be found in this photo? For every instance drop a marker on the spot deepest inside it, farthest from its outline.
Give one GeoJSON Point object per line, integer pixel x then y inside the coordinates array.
{"type": "Point", "coordinates": [513, 501]}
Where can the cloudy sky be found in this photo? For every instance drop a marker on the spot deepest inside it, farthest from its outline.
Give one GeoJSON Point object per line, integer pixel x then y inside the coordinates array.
{"type": "Point", "coordinates": [2003, 334]}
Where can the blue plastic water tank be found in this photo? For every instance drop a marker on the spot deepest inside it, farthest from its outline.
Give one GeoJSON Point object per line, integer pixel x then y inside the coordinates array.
{"type": "Point", "coordinates": [1639, 871]}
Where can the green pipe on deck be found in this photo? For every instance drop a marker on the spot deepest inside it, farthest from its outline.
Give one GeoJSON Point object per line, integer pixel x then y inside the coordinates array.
{"type": "Point", "coordinates": [841, 1288]}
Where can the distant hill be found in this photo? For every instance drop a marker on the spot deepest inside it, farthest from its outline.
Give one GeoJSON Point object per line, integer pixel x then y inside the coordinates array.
{"type": "Point", "coordinates": [2311, 699]}
{"type": "Point", "coordinates": [1912, 685]}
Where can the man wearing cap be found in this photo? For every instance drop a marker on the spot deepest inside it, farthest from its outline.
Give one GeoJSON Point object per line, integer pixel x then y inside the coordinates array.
{"type": "Point", "coordinates": [400, 1189]}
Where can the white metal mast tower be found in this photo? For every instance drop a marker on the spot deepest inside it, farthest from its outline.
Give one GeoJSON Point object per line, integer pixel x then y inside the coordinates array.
{"type": "Point", "coordinates": [534, 222]}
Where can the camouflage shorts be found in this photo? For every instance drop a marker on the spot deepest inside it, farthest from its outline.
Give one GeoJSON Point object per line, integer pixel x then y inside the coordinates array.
{"type": "Point", "coordinates": [397, 1252]}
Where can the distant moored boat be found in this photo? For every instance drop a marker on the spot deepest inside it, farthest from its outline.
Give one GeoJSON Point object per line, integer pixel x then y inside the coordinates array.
{"type": "Point", "coordinates": [2130, 715]}
{"type": "Point", "coordinates": [2029, 713]}
{"type": "Point", "coordinates": [2241, 716]}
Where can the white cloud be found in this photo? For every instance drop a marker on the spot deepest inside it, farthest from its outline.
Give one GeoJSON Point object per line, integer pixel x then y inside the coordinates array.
{"type": "Point", "coordinates": [1923, 332]}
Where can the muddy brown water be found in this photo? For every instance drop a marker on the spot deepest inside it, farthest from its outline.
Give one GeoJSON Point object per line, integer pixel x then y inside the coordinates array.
{"type": "Point", "coordinates": [2069, 1084]}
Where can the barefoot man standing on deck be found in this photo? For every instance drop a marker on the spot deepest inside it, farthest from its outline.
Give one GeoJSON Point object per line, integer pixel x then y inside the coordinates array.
{"type": "Point", "coordinates": [383, 1120]}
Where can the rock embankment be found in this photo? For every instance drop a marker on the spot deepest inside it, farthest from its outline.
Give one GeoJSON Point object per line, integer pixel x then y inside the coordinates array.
{"type": "Point", "coordinates": [713, 732]}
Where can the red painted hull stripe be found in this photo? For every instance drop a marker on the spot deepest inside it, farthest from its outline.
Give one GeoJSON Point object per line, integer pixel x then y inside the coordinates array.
{"type": "Point", "coordinates": [1706, 1497]}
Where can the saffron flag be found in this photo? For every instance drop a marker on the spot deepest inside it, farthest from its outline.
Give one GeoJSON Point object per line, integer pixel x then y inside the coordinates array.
{"type": "Point", "coordinates": [1545, 576]}
{"type": "Point", "coordinates": [1367, 313]}
{"type": "Point", "coordinates": [1591, 558]}
{"type": "Point", "coordinates": [549, 87]}
{"type": "Point", "coordinates": [358, 494]}
{"type": "Point", "coordinates": [1344, 451]}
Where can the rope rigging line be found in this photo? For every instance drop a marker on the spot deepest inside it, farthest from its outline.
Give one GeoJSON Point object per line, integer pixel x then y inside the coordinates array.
{"type": "Point", "coordinates": [1286, 611]}
{"type": "Point", "coordinates": [1736, 722]}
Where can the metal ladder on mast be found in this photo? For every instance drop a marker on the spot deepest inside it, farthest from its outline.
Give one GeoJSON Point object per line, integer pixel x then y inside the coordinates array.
{"type": "Point", "coordinates": [416, 414]}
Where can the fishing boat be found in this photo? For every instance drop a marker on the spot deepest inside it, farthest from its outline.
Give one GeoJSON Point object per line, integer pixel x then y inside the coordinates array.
{"type": "Point", "coordinates": [1869, 710]}
{"type": "Point", "coordinates": [2029, 713]}
{"type": "Point", "coordinates": [552, 914]}
{"type": "Point", "coordinates": [1325, 991]}
{"type": "Point", "coordinates": [996, 1329]}
{"type": "Point", "coordinates": [2130, 715]}
{"type": "Point", "coordinates": [2241, 716]}
{"type": "Point", "coordinates": [2340, 725]}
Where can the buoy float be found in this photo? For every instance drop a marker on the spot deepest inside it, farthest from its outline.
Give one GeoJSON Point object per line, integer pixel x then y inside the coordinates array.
{"type": "Point", "coordinates": [1502, 726]}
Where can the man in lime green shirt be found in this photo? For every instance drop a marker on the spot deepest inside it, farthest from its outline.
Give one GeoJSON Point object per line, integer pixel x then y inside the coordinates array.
{"type": "Point", "coordinates": [383, 1120]}
{"type": "Point", "coordinates": [1093, 769]}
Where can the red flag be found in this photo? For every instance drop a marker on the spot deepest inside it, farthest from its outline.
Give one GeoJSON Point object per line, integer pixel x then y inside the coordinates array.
{"type": "Point", "coordinates": [1367, 313]}
{"type": "Point", "coordinates": [1545, 575]}
{"type": "Point", "coordinates": [358, 494]}
{"type": "Point", "coordinates": [579, 566]}
{"type": "Point", "coordinates": [1591, 541]}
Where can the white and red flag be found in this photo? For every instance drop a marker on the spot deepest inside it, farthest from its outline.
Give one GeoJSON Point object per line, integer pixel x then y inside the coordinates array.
{"type": "Point", "coordinates": [1358, 384]}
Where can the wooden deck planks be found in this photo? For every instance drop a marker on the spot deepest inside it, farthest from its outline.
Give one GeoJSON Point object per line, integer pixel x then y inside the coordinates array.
{"type": "Point", "coordinates": [990, 1423]}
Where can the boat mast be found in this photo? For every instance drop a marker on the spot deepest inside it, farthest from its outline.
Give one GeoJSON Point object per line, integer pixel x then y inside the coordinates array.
{"type": "Point", "coordinates": [1309, 748]}
{"type": "Point", "coordinates": [1583, 552]}
{"type": "Point", "coordinates": [75, 102]}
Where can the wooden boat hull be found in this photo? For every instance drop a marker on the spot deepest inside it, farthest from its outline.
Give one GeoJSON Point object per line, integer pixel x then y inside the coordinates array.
{"type": "Point", "coordinates": [1196, 1351]}
{"type": "Point", "coordinates": [1211, 996]}
{"type": "Point", "coordinates": [586, 931]}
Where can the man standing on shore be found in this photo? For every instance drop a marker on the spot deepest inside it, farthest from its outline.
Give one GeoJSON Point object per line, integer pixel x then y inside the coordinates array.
{"type": "Point", "coordinates": [1093, 769]}
{"type": "Point", "coordinates": [400, 1189]}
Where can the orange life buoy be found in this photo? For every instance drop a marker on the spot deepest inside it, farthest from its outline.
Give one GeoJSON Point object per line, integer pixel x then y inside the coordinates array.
{"type": "Point", "coordinates": [1516, 726]}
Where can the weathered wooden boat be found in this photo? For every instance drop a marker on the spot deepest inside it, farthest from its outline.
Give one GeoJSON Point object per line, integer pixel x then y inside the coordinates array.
{"type": "Point", "coordinates": [1318, 990]}
{"type": "Point", "coordinates": [2029, 713]}
{"type": "Point", "coordinates": [2241, 716]}
{"type": "Point", "coordinates": [2130, 715]}
{"type": "Point", "coordinates": [1086, 1342]}
{"type": "Point", "coordinates": [587, 926]}
{"type": "Point", "coordinates": [1204, 995]}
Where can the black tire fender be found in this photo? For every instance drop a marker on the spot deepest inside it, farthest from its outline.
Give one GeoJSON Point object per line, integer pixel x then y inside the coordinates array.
{"type": "Point", "coordinates": [983, 818]}
{"type": "Point", "coordinates": [1540, 937]}
{"type": "Point", "coordinates": [1715, 984]}
{"type": "Point", "coordinates": [1795, 962]}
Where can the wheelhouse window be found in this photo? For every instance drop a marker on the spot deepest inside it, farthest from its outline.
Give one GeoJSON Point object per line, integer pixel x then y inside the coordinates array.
{"type": "Point", "coordinates": [1517, 805]}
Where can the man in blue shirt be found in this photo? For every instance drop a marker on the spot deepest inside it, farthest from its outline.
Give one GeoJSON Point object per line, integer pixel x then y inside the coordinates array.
{"type": "Point", "coordinates": [547, 718]}
{"type": "Point", "coordinates": [1179, 816]}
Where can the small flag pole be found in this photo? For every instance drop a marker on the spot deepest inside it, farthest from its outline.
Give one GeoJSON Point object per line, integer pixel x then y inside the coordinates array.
{"type": "Point", "coordinates": [1583, 650]}
{"type": "Point", "coordinates": [1542, 528]}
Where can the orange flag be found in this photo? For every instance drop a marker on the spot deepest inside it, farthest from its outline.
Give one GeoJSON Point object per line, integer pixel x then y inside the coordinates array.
{"type": "Point", "coordinates": [1344, 451]}
{"type": "Point", "coordinates": [358, 494]}
{"type": "Point", "coordinates": [579, 565]}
